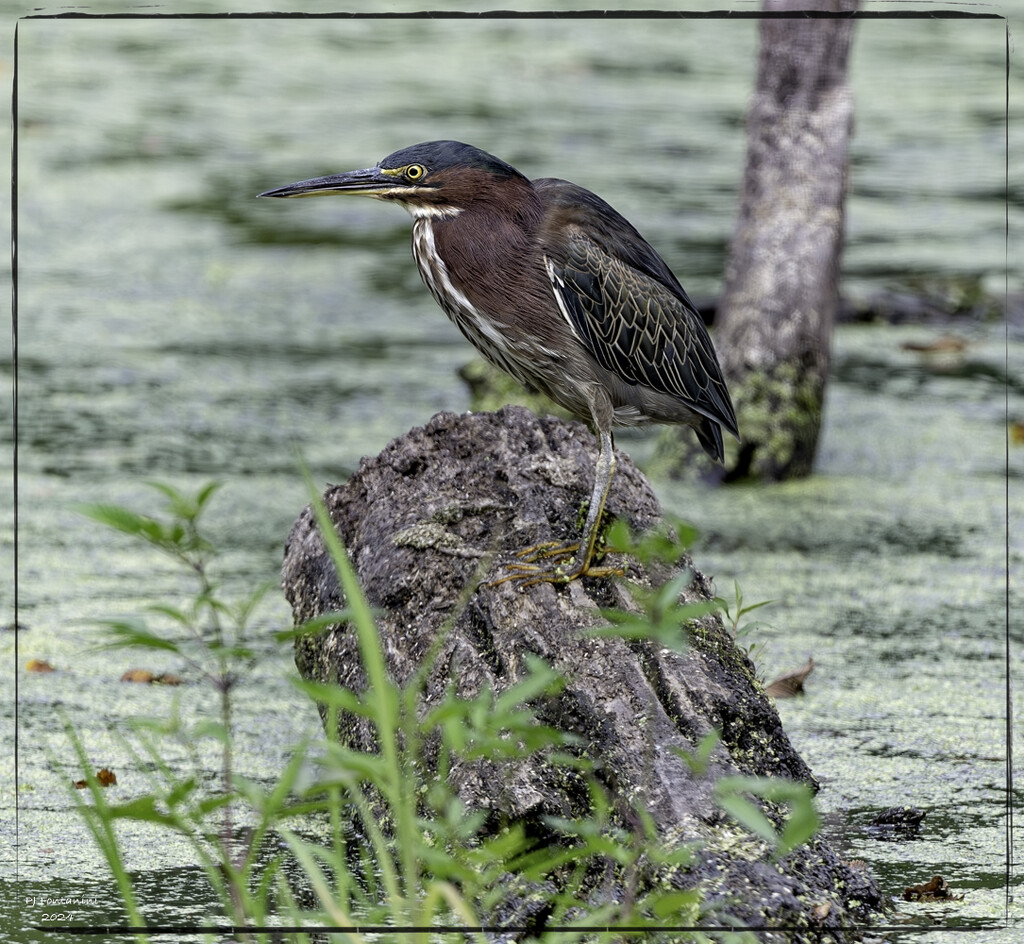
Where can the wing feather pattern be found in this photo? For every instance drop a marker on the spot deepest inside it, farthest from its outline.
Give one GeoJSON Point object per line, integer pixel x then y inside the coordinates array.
{"type": "Point", "coordinates": [626, 306]}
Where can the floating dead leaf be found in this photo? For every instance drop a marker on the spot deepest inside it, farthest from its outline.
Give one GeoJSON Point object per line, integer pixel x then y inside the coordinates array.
{"type": "Point", "coordinates": [104, 775]}
{"type": "Point", "coordinates": [38, 665]}
{"type": "Point", "coordinates": [146, 677]}
{"type": "Point", "coordinates": [791, 683]}
{"type": "Point", "coordinates": [937, 889]}
{"type": "Point", "coordinates": [944, 344]}
{"type": "Point", "coordinates": [1017, 432]}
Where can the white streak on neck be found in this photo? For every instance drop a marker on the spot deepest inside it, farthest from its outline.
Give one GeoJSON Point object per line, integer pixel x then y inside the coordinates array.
{"type": "Point", "coordinates": [430, 211]}
{"type": "Point", "coordinates": [455, 304]}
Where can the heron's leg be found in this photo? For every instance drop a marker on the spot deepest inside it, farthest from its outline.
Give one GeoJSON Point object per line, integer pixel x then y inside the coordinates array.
{"type": "Point", "coordinates": [580, 564]}
{"type": "Point", "coordinates": [602, 485]}
{"type": "Point", "coordinates": [591, 529]}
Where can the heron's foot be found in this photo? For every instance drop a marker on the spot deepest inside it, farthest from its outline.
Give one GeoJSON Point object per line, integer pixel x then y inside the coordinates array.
{"type": "Point", "coordinates": [546, 550]}
{"type": "Point", "coordinates": [556, 563]}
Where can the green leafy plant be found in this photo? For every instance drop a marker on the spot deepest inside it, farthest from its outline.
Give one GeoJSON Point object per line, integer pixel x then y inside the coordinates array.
{"type": "Point", "coordinates": [375, 844]}
{"type": "Point", "coordinates": [660, 617]}
{"type": "Point", "coordinates": [798, 827]}
{"type": "Point", "coordinates": [740, 632]}
{"type": "Point", "coordinates": [736, 610]}
{"type": "Point", "coordinates": [664, 620]}
{"type": "Point", "coordinates": [209, 634]}
{"type": "Point", "coordinates": [732, 795]}
{"type": "Point", "coordinates": [372, 838]}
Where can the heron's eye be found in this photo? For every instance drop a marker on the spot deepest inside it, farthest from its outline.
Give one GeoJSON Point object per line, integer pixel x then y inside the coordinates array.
{"type": "Point", "coordinates": [415, 172]}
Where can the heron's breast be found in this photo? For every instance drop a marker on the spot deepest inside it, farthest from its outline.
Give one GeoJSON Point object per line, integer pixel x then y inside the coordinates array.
{"type": "Point", "coordinates": [474, 320]}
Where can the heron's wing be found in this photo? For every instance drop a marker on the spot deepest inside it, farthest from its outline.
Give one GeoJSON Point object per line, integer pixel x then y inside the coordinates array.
{"type": "Point", "coordinates": [639, 326]}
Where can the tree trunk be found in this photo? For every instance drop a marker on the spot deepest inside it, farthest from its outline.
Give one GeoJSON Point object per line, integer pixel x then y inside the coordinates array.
{"type": "Point", "coordinates": [781, 293]}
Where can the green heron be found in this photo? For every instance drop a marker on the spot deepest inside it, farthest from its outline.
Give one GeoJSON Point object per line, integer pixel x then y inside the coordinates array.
{"type": "Point", "coordinates": [559, 290]}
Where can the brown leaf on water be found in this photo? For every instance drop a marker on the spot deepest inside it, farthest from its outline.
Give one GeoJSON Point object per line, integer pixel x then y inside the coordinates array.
{"type": "Point", "coordinates": [791, 683]}
{"type": "Point", "coordinates": [1017, 432]}
{"type": "Point", "coordinates": [104, 775]}
{"type": "Point", "coordinates": [144, 676]}
{"type": "Point", "coordinates": [38, 665]}
{"type": "Point", "coordinates": [937, 889]}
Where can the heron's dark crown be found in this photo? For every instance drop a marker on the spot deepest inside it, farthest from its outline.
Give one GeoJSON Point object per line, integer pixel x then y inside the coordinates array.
{"type": "Point", "coordinates": [450, 155]}
{"type": "Point", "coordinates": [443, 178]}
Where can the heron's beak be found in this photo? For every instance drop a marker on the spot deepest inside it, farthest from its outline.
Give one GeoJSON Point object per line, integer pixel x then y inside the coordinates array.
{"type": "Point", "coordinates": [372, 182]}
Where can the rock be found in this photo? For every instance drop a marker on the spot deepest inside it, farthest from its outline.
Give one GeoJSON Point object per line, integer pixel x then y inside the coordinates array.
{"type": "Point", "coordinates": [449, 503]}
{"type": "Point", "coordinates": [897, 823]}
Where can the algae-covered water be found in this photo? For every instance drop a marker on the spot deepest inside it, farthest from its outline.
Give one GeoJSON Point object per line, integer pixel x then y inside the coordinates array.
{"type": "Point", "coordinates": [171, 327]}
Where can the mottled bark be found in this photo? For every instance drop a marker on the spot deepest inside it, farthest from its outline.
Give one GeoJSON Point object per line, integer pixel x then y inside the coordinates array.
{"type": "Point", "coordinates": [419, 519]}
{"type": "Point", "coordinates": [781, 294]}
